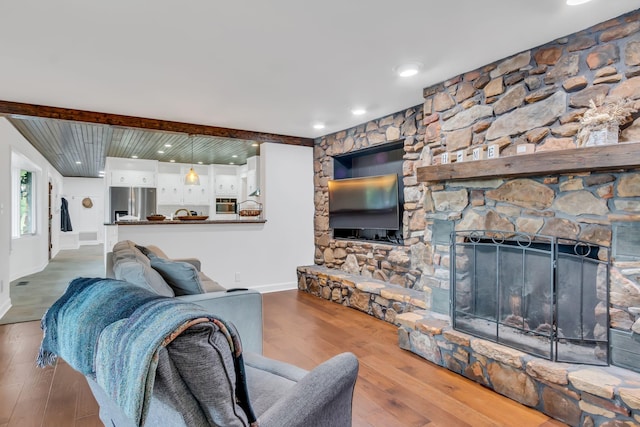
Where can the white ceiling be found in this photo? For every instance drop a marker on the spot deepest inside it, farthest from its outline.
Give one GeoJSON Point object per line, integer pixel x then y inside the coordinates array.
{"type": "Point", "coordinates": [274, 66]}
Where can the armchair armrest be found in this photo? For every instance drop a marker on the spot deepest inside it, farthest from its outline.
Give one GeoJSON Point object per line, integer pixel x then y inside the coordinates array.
{"type": "Point", "coordinates": [242, 308]}
{"type": "Point", "coordinates": [322, 398]}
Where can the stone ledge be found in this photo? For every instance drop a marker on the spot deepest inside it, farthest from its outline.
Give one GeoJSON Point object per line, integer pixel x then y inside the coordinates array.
{"type": "Point", "coordinates": [380, 299]}
{"type": "Point", "coordinates": [574, 394]}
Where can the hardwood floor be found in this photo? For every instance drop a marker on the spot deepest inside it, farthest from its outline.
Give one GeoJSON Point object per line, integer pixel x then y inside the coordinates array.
{"type": "Point", "coordinates": [394, 387]}
{"type": "Point", "coordinates": [31, 396]}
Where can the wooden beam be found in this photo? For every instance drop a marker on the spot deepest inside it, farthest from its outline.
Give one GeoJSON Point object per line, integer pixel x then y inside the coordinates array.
{"type": "Point", "coordinates": [17, 108]}
{"type": "Point", "coordinates": [604, 157]}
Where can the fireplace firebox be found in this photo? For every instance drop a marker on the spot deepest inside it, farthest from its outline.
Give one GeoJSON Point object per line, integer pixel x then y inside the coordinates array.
{"type": "Point", "coordinates": [539, 294]}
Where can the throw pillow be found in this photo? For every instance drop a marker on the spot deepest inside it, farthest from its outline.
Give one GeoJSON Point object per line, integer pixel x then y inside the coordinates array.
{"type": "Point", "coordinates": [181, 276]}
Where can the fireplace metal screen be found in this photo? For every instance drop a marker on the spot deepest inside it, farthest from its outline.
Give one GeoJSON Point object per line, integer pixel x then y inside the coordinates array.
{"type": "Point", "coordinates": [539, 294]}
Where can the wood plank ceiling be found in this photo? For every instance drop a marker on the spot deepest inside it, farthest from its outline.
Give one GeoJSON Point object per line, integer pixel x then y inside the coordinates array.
{"type": "Point", "coordinates": [64, 143]}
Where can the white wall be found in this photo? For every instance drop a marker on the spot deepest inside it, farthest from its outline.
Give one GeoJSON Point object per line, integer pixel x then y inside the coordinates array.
{"type": "Point", "coordinates": [5, 218]}
{"type": "Point", "coordinates": [28, 254]}
{"type": "Point", "coordinates": [85, 220]}
{"type": "Point", "coordinates": [264, 255]}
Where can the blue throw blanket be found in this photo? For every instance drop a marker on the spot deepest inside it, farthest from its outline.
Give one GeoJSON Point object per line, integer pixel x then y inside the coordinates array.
{"type": "Point", "coordinates": [112, 331]}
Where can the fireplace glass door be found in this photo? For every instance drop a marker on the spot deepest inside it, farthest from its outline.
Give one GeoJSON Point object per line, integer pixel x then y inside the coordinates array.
{"type": "Point", "coordinates": [544, 296]}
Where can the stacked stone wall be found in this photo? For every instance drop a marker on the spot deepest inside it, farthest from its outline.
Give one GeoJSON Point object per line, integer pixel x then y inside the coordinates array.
{"type": "Point", "coordinates": [535, 97]}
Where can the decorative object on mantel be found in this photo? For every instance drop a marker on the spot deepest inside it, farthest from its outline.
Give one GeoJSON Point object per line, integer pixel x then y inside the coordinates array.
{"type": "Point", "coordinates": [600, 124]}
{"type": "Point", "coordinates": [493, 151]}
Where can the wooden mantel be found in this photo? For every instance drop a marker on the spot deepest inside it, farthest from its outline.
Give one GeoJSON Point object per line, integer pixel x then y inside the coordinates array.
{"type": "Point", "coordinates": [606, 157]}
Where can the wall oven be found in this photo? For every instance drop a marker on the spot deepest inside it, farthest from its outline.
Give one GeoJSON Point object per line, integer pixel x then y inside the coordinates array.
{"type": "Point", "coordinates": [226, 206]}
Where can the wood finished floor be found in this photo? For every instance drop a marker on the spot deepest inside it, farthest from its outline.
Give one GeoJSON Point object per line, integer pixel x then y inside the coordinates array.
{"type": "Point", "coordinates": [394, 387]}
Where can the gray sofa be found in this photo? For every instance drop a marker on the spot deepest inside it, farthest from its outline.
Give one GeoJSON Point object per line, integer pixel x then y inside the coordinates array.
{"type": "Point", "coordinates": [243, 307]}
{"type": "Point", "coordinates": [193, 374]}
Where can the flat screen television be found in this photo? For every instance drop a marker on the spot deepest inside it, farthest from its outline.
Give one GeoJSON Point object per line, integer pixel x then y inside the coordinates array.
{"type": "Point", "coordinates": [364, 203]}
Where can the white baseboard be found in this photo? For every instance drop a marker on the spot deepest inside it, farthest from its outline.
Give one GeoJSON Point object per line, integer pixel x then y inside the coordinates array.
{"type": "Point", "coordinates": [275, 287]}
{"type": "Point", "coordinates": [4, 308]}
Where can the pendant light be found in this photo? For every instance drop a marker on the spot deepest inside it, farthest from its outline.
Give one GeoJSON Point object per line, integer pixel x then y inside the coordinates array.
{"type": "Point", "coordinates": [192, 177]}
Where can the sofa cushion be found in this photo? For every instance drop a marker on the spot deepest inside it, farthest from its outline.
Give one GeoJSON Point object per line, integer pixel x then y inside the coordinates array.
{"type": "Point", "coordinates": [156, 251]}
{"type": "Point", "coordinates": [208, 284]}
{"type": "Point", "coordinates": [202, 356]}
{"type": "Point", "coordinates": [140, 274]}
{"type": "Point", "coordinates": [181, 276]}
{"type": "Point", "coordinates": [123, 244]}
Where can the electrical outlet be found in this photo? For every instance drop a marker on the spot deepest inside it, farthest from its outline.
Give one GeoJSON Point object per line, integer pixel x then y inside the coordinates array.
{"type": "Point", "coordinates": [237, 277]}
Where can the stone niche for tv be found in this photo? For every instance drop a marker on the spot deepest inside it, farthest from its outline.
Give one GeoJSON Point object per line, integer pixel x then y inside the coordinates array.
{"type": "Point", "coordinates": [382, 159]}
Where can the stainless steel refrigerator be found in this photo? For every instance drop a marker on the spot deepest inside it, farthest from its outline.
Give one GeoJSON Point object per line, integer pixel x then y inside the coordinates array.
{"type": "Point", "coordinates": [136, 201]}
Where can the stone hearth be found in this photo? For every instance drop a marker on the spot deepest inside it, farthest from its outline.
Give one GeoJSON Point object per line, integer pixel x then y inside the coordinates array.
{"type": "Point", "coordinates": [575, 394]}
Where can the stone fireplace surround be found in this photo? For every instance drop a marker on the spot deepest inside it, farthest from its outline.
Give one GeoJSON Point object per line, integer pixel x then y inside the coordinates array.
{"type": "Point", "coordinates": [535, 97]}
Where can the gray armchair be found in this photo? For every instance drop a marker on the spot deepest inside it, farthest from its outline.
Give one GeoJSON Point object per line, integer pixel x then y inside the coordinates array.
{"type": "Point", "coordinates": [193, 378]}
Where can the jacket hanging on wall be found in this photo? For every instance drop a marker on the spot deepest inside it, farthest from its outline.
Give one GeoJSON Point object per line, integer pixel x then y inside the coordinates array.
{"type": "Point", "coordinates": [65, 219]}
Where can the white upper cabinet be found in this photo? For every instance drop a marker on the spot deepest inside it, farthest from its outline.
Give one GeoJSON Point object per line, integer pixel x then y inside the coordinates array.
{"type": "Point", "coordinates": [170, 188]}
{"type": "Point", "coordinates": [173, 191]}
{"type": "Point", "coordinates": [226, 185]}
{"type": "Point", "coordinates": [197, 194]}
{"type": "Point", "coordinates": [226, 180]}
{"type": "Point", "coordinates": [130, 172]}
{"type": "Point", "coordinates": [253, 174]}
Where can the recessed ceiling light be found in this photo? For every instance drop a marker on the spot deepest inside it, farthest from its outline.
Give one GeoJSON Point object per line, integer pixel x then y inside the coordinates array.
{"type": "Point", "coordinates": [231, 163]}
{"type": "Point", "coordinates": [409, 69]}
{"type": "Point", "coordinates": [167, 145]}
{"type": "Point", "coordinates": [576, 2]}
{"type": "Point", "coordinates": [235, 156]}
{"type": "Point", "coordinates": [318, 126]}
{"type": "Point", "coordinates": [255, 144]}
{"type": "Point", "coordinates": [160, 152]}
{"type": "Point", "coordinates": [78, 163]}
{"type": "Point", "coordinates": [172, 161]}
{"type": "Point", "coordinates": [199, 163]}
{"type": "Point", "coordinates": [358, 111]}
{"type": "Point", "coordinates": [134, 157]}
{"type": "Point", "coordinates": [101, 172]}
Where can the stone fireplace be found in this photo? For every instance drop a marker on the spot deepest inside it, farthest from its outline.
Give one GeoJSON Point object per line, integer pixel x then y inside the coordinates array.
{"type": "Point", "coordinates": [570, 194]}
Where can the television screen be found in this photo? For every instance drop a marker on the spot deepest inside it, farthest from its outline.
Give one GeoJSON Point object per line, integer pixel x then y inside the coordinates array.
{"type": "Point", "coordinates": [364, 203]}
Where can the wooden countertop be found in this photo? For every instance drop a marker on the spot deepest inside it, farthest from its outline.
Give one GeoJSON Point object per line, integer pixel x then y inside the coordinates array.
{"type": "Point", "coordinates": [207, 221]}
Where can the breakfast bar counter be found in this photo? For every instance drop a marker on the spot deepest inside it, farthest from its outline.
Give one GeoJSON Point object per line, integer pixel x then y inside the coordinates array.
{"type": "Point", "coordinates": [198, 221]}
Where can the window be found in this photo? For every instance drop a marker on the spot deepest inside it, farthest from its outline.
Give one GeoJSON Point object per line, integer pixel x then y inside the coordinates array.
{"type": "Point", "coordinates": [27, 202]}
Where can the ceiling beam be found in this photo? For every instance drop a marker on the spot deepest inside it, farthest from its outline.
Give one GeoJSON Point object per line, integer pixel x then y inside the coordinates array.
{"type": "Point", "coordinates": [18, 108]}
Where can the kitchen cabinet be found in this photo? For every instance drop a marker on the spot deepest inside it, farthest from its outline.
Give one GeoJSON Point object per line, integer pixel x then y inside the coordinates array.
{"type": "Point", "coordinates": [170, 188]}
{"type": "Point", "coordinates": [197, 194]}
{"type": "Point", "coordinates": [226, 185]}
{"type": "Point", "coordinates": [253, 174]}
{"type": "Point", "coordinates": [132, 178]}
{"type": "Point", "coordinates": [173, 191]}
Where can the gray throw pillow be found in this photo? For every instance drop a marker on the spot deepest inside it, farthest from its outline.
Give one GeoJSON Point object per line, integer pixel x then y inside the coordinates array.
{"type": "Point", "coordinates": [181, 276]}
